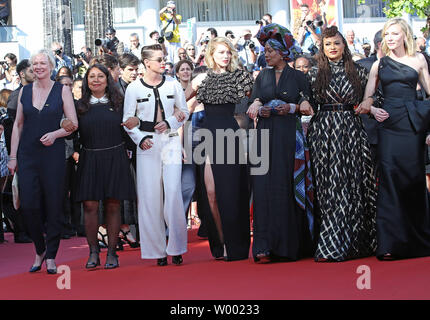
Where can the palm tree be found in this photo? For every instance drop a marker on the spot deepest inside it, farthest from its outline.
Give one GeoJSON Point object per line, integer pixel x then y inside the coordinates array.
{"type": "Point", "coordinates": [57, 24]}
{"type": "Point", "coordinates": [98, 17]}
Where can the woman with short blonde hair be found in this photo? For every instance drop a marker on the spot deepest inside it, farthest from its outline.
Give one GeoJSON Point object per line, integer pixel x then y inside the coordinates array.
{"type": "Point", "coordinates": [213, 44]}
{"type": "Point", "coordinates": [37, 149]}
{"type": "Point", "coordinates": [220, 89]}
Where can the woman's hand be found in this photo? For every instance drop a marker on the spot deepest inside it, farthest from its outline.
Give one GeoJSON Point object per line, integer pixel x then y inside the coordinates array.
{"type": "Point", "coordinates": [76, 156]}
{"type": "Point", "coordinates": [146, 144]}
{"type": "Point", "coordinates": [12, 166]}
{"type": "Point", "coordinates": [68, 125]}
{"type": "Point", "coordinates": [48, 139]}
{"type": "Point", "coordinates": [380, 114]}
{"type": "Point", "coordinates": [364, 106]}
{"type": "Point", "coordinates": [306, 108]}
{"type": "Point", "coordinates": [253, 109]}
{"type": "Point", "coordinates": [161, 126]}
{"type": "Point", "coordinates": [179, 115]}
{"type": "Point", "coordinates": [283, 109]}
{"type": "Point", "coordinates": [1, 129]}
{"type": "Point", "coordinates": [265, 111]}
{"type": "Point", "coordinates": [131, 123]}
{"type": "Point", "coordinates": [428, 140]}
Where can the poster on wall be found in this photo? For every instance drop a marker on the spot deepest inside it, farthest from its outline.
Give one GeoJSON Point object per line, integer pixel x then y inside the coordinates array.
{"type": "Point", "coordinates": [309, 13]}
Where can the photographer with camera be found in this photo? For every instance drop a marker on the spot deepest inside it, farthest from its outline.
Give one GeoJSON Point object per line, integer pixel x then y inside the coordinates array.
{"type": "Point", "coordinates": [265, 20]}
{"type": "Point", "coordinates": [206, 36]}
{"type": "Point", "coordinates": [82, 61]}
{"type": "Point", "coordinates": [8, 73]}
{"type": "Point", "coordinates": [61, 60]}
{"type": "Point", "coordinates": [170, 21]}
{"type": "Point", "coordinates": [247, 50]}
{"type": "Point", "coordinates": [156, 39]}
{"type": "Point", "coordinates": [309, 34]}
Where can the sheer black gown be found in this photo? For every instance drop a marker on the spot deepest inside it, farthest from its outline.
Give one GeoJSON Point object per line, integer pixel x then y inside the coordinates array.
{"type": "Point", "coordinates": [403, 215]}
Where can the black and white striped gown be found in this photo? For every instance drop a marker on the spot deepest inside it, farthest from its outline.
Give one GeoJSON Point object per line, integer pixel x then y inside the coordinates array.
{"type": "Point", "coordinates": [344, 176]}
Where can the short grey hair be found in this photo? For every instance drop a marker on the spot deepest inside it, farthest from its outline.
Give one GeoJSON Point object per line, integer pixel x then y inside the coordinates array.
{"type": "Point", "coordinates": [45, 53]}
{"type": "Point", "coordinates": [134, 34]}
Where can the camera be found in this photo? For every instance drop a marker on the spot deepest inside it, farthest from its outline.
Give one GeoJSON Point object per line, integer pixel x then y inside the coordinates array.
{"type": "Point", "coordinates": [58, 52]}
{"type": "Point", "coordinates": [4, 117]}
{"type": "Point", "coordinates": [313, 49]}
{"type": "Point", "coordinates": [249, 44]}
{"type": "Point", "coordinates": [79, 56]}
{"type": "Point", "coordinates": [261, 22]}
{"type": "Point", "coordinates": [104, 43]}
{"type": "Point", "coordinates": [319, 23]}
{"type": "Point", "coordinates": [5, 65]}
{"type": "Point", "coordinates": [205, 40]}
{"type": "Point", "coordinates": [160, 40]}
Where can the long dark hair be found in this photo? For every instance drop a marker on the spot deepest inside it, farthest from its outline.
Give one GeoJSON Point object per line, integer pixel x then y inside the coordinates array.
{"type": "Point", "coordinates": [324, 74]}
{"type": "Point", "coordinates": [112, 92]}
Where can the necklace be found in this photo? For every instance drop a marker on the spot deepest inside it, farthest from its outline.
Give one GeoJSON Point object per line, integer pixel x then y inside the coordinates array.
{"type": "Point", "coordinates": [278, 71]}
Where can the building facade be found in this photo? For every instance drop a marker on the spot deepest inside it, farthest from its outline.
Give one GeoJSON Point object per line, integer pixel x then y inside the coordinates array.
{"type": "Point", "coordinates": [141, 17]}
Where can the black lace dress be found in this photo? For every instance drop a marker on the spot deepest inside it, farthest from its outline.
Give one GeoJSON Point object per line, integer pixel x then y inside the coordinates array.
{"type": "Point", "coordinates": [344, 175]}
{"type": "Point", "coordinates": [219, 93]}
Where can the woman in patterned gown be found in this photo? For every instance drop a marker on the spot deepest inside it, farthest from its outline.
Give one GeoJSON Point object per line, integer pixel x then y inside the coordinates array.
{"type": "Point", "coordinates": [345, 183]}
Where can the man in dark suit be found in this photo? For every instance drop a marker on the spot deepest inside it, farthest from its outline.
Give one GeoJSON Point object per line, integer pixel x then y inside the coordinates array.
{"type": "Point", "coordinates": [370, 124]}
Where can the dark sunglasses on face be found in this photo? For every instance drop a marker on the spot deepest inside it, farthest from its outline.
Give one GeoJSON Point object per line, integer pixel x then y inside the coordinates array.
{"type": "Point", "coordinates": [159, 59]}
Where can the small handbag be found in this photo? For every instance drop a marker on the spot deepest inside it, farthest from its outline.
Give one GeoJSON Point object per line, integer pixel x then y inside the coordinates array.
{"type": "Point", "coordinates": [15, 192]}
{"type": "Point", "coordinates": [168, 35]}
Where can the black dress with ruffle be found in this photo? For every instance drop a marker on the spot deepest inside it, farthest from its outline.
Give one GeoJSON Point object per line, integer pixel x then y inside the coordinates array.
{"type": "Point", "coordinates": [219, 93]}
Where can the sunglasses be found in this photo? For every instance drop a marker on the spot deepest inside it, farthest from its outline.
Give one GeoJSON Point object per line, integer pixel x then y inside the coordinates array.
{"type": "Point", "coordinates": [159, 59]}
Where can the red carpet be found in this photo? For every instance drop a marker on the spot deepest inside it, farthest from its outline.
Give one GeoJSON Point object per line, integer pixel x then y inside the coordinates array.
{"type": "Point", "coordinates": [203, 278]}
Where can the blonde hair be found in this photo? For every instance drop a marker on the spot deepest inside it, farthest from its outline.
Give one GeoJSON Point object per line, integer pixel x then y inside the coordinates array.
{"type": "Point", "coordinates": [49, 56]}
{"type": "Point", "coordinates": [409, 43]}
{"type": "Point", "coordinates": [213, 44]}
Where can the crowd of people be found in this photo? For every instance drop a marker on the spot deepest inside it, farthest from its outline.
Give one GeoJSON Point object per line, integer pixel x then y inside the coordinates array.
{"type": "Point", "coordinates": [134, 134]}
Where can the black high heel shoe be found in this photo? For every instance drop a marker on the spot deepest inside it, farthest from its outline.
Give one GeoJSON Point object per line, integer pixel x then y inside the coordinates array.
{"type": "Point", "coordinates": [124, 237]}
{"type": "Point", "coordinates": [262, 257]}
{"type": "Point", "coordinates": [50, 271]}
{"type": "Point", "coordinates": [112, 265]}
{"type": "Point", "coordinates": [177, 260]}
{"type": "Point", "coordinates": [162, 262]}
{"type": "Point", "coordinates": [37, 268]}
{"type": "Point", "coordinates": [93, 264]}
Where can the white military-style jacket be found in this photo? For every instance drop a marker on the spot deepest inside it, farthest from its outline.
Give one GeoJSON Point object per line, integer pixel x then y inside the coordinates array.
{"type": "Point", "coordinates": [143, 101]}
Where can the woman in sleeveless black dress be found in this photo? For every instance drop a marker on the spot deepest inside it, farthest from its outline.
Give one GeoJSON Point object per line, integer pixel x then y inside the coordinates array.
{"type": "Point", "coordinates": [403, 214]}
{"type": "Point", "coordinates": [224, 182]}
{"type": "Point", "coordinates": [103, 168]}
{"type": "Point", "coordinates": [37, 142]}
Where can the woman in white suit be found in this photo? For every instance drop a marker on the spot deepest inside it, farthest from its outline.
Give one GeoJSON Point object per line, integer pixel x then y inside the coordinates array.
{"type": "Point", "coordinates": [159, 158]}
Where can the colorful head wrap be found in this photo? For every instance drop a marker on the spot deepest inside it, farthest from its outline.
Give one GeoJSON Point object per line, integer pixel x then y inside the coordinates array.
{"type": "Point", "coordinates": [280, 39]}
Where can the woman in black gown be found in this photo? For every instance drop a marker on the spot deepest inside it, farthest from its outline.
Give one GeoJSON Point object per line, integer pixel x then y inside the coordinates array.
{"type": "Point", "coordinates": [224, 184]}
{"type": "Point", "coordinates": [281, 228]}
{"type": "Point", "coordinates": [403, 214]}
{"type": "Point", "coordinates": [103, 168]}
{"type": "Point", "coordinates": [345, 181]}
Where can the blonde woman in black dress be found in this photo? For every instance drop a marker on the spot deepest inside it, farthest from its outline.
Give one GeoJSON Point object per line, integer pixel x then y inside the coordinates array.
{"type": "Point", "coordinates": [225, 185]}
